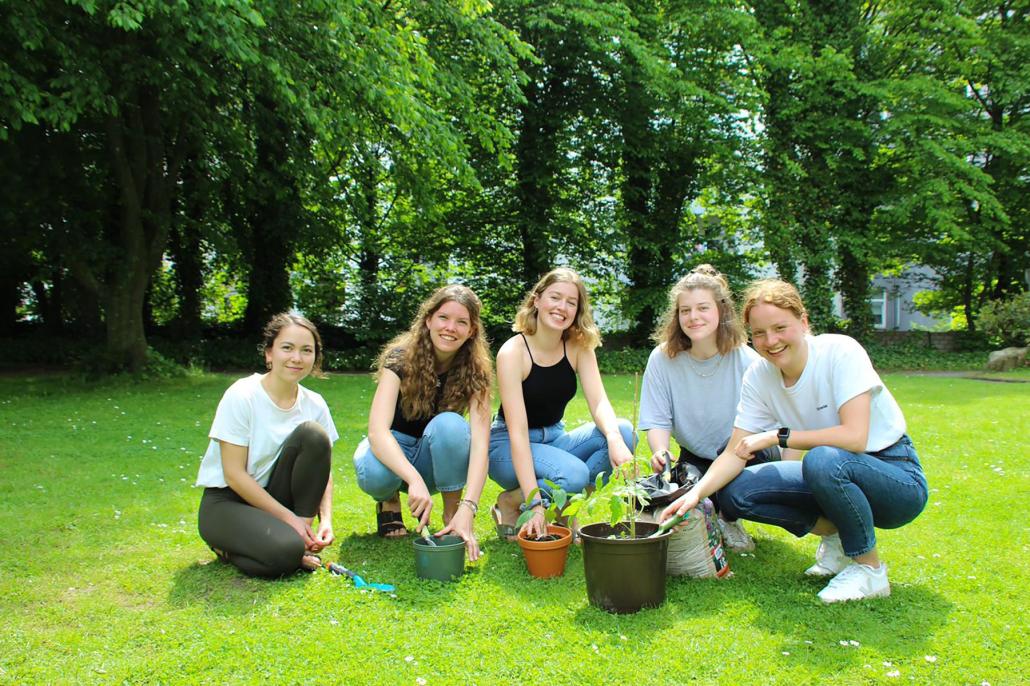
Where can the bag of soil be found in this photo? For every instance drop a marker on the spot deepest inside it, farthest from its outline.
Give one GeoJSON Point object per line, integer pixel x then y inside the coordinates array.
{"type": "Point", "coordinates": [695, 549]}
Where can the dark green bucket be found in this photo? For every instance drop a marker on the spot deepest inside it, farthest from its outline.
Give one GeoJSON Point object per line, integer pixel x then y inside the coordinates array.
{"type": "Point", "coordinates": [444, 561]}
{"type": "Point", "coordinates": [624, 575]}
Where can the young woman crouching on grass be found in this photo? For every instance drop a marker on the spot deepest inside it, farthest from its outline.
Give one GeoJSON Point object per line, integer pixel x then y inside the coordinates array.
{"type": "Point", "coordinates": [537, 372]}
{"type": "Point", "coordinates": [861, 470]}
{"type": "Point", "coordinates": [418, 440]}
{"type": "Point", "coordinates": [692, 382]}
{"type": "Point", "coordinates": [266, 470]}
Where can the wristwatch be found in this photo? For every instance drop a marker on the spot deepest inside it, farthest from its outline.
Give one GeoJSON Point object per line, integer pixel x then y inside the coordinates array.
{"type": "Point", "coordinates": [782, 435]}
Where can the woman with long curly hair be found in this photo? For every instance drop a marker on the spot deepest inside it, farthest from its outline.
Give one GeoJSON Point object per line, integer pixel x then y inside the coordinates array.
{"type": "Point", "coordinates": [692, 381]}
{"type": "Point", "coordinates": [537, 372]}
{"type": "Point", "coordinates": [860, 472]}
{"type": "Point", "coordinates": [418, 441]}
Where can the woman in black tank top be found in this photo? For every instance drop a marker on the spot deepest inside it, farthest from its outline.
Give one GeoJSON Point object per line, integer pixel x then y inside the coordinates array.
{"type": "Point", "coordinates": [537, 373]}
{"type": "Point", "coordinates": [418, 439]}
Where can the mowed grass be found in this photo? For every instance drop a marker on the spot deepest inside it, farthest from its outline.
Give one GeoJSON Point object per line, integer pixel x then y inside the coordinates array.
{"type": "Point", "coordinates": [103, 578]}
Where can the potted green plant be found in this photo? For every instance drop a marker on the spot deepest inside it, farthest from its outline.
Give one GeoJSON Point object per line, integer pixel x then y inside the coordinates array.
{"type": "Point", "coordinates": [546, 555]}
{"type": "Point", "coordinates": [623, 559]}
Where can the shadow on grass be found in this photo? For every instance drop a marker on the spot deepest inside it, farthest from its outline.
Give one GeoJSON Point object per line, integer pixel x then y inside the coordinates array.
{"type": "Point", "coordinates": [779, 599]}
{"type": "Point", "coordinates": [225, 590]}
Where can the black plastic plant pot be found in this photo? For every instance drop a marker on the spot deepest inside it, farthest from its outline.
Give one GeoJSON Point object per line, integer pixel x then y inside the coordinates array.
{"type": "Point", "coordinates": [624, 574]}
{"type": "Point", "coordinates": [444, 561]}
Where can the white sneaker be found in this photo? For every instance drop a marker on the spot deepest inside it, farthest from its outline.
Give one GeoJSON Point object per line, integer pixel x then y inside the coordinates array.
{"type": "Point", "coordinates": [735, 537]}
{"type": "Point", "coordinates": [857, 582]}
{"type": "Point", "coordinates": [829, 557]}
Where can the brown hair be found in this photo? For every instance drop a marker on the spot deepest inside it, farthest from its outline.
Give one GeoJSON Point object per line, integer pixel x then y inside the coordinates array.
{"type": "Point", "coordinates": [583, 330]}
{"type": "Point", "coordinates": [279, 322]}
{"type": "Point", "coordinates": [775, 292]}
{"type": "Point", "coordinates": [471, 372]}
{"type": "Point", "coordinates": [730, 333]}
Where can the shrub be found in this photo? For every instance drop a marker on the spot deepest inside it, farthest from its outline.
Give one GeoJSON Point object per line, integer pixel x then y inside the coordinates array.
{"type": "Point", "coordinates": [1007, 322]}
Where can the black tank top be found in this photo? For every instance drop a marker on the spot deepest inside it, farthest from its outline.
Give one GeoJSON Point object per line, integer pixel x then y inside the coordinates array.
{"type": "Point", "coordinates": [546, 391]}
{"type": "Point", "coordinates": [412, 426]}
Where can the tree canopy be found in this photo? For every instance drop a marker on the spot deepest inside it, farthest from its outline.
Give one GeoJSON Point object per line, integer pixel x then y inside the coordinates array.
{"type": "Point", "coordinates": [177, 164]}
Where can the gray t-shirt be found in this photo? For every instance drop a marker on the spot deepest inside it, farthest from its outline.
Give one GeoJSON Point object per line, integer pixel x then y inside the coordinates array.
{"type": "Point", "coordinates": [696, 401]}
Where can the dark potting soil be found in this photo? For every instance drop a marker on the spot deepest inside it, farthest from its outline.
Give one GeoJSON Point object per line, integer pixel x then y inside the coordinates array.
{"type": "Point", "coordinates": [548, 537]}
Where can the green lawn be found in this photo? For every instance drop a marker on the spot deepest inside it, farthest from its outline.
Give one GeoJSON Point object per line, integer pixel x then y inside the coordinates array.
{"type": "Point", "coordinates": [103, 578]}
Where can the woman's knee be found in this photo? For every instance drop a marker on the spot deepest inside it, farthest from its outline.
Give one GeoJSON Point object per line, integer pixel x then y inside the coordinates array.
{"type": "Point", "coordinates": [314, 441]}
{"type": "Point", "coordinates": [734, 500]}
{"type": "Point", "coordinates": [449, 433]}
{"type": "Point", "coordinates": [573, 477]}
{"type": "Point", "coordinates": [820, 464]}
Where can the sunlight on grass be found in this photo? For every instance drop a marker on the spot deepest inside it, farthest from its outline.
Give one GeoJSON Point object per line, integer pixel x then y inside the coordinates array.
{"type": "Point", "coordinates": [103, 578]}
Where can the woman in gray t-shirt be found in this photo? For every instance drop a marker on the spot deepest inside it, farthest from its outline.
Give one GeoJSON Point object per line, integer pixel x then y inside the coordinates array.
{"type": "Point", "coordinates": [692, 381]}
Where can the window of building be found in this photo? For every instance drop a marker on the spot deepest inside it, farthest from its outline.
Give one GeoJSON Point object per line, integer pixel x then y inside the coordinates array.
{"type": "Point", "coordinates": [878, 303]}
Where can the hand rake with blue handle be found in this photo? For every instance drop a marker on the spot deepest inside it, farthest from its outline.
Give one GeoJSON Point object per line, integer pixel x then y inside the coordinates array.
{"type": "Point", "coordinates": [358, 581]}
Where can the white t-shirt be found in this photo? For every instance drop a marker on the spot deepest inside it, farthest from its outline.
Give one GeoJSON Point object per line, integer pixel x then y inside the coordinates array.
{"type": "Point", "coordinates": [837, 370]}
{"type": "Point", "coordinates": [696, 401]}
{"type": "Point", "coordinates": [247, 416]}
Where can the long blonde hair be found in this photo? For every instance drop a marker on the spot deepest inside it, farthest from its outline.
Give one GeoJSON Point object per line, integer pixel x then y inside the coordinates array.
{"type": "Point", "coordinates": [583, 330]}
{"type": "Point", "coordinates": [730, 333]}
{"type": "Point", "coordinates": [471, 371]}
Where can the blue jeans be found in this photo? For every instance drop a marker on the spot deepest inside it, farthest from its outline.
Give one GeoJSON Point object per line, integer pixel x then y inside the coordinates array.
{"type": "Point", "coordinates": [855, 491]}
{"type": "Point", "coordinates": [571, 459]}
{"type": "Point", "coordinates": [441, 457]}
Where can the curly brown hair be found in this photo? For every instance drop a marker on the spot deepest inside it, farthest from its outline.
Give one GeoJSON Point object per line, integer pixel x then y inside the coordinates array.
{"type": "Point", "coordinates": [730, 333]}
{"type": "Point", "coordinates": [471, 371]}
{"type": "Point", "coordinates": [279, 322]}
{"type": "Point", "coordinates": [583, 331]}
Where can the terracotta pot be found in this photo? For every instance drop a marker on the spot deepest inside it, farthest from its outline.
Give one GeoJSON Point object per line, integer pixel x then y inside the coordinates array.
{"type": "Point", "coordinates": [624, 575]}
{"type": "Point", "coordinates": [444, 561]}
{"type": "Point", "coordinates": [546, 559]}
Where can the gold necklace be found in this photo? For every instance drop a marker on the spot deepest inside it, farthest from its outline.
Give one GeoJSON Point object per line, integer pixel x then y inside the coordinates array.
{"type": "Point", "coordinates": [694, 369]}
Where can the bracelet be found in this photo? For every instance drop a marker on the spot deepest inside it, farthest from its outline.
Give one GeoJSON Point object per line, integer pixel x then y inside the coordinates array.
{"type": "Point", "coordinates": [470, 504]}
{"type": "Point", "coordinates": [526, 507]}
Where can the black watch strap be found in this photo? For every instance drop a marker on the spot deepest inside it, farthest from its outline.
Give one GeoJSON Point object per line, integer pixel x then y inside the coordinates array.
{"type": "Point", "coordinates": [782, 435]}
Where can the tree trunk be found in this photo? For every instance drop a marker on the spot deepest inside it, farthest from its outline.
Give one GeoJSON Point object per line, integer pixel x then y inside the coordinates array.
{"type": "Point", "coordinates": [186, 251]}
{"type": "Point", "coordinates": [273, 219]}
{"type": "Point", "coordinates": [535, 152]}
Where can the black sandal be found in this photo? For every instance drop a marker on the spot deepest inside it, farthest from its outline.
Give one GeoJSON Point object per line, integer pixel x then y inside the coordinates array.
{"type": "Point", "coordinates": [388, 522]}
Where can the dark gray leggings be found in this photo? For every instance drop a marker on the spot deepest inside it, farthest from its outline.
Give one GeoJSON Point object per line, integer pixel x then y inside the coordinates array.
{"type": "Point", "coordinates": [254, 540]}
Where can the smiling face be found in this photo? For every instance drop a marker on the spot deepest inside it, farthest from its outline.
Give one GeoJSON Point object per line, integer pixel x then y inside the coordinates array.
{"type": "Point", "coordinates": [292, 354]}
{"type": "Point", "coordinates": [698, 315]}
{"type": "Point", "coordinates": [779, 336]}
{"type": "Point", "coordinates": [450, 325]}
{"type": "Point", "coordinates": [557, 305]}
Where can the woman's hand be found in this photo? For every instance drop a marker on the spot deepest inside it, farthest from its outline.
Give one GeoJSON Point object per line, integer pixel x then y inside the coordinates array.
{"type": "Point", "coordinates": [682, 505]}
{"type": "Point", "coordinates": [618, 453]}
{"type": "Point", "coordinates": [303, 530]}
{"type": "Point", "coordinates": [323, 536]}
{"type": "Point", "coordinates": [537, 525]}
{"type": "Point", "coordinates": [751, 444]}
{"type": "Point", "coordinates": [420, 502]}
{"type": "Point", "coordinates": [462, 525]}
{"type": "Point", "coordinates": [660, 459]}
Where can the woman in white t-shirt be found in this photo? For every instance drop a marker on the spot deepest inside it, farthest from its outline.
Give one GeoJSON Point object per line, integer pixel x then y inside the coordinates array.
{"type": "Point", "coordinates": [266, 472]}
{"type": "Point", "coordinates": [692, 381]}
{"type": "Point", "coordinates": [819, 394]}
